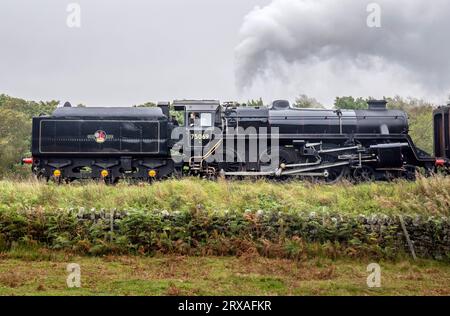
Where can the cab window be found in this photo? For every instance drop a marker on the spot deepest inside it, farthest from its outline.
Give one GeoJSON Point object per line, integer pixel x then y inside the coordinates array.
{"type": "Point", "coordinates": [206, 119]}
{"type": "Point", "coordinates": [199, 119]}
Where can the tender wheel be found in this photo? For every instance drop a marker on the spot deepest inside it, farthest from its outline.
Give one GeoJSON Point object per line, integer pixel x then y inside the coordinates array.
{"type": "Point", "coordinates": [57, 180]}
{"type": "Point", "coordinates": [391, 175]}
{"type": "Point", "coordinates": [69, 180]}
{"type": "Point", "coordinates": [110, 180]}
{"type": "Point", "coordinates": [40, 176]}
{"type": "Point", "coordinates": [364, 174]}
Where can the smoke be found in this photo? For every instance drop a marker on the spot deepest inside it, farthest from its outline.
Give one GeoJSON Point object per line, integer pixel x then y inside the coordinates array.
{"type": "Point", "coordinates": [325, 48]}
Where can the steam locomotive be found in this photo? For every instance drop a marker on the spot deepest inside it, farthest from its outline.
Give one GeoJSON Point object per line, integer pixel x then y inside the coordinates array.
{"type": "Point", "coordinates": [207, 138]}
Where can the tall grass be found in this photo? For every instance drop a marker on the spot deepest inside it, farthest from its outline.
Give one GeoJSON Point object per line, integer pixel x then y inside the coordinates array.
{"type": "Point", "coordinates": [429, 196]}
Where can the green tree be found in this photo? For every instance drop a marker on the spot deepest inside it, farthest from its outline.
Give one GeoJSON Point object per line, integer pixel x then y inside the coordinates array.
{"type": "Point", "coordinates": [15, 129]}
{"type": "Point", "coordinates": [303, 101]}
{"type": "Point", "coordinates": [29, 108]}
{"type": "Point", "coordinates": [420, 116]}
{"type": "Point", "coordinates": [15, 134]}
{"type": "Point", "coordinates": [145, 105]}
{"type": "Point", "coordinates": [257, 102]}
{"type": "Point", "coordinates": [350, 103]}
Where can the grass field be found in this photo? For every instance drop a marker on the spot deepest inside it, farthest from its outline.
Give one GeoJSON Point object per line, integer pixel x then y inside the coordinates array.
{"type": "Point", "coordinates": [247, 275]}
{"type": "Point", "coordinates": [429, 196]}
{"type": "Point", "coordinates": [40, 271]}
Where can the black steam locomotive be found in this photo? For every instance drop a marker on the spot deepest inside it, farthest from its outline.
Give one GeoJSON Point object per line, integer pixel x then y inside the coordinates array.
{"type": "Point", "coordinates": [207, 138]}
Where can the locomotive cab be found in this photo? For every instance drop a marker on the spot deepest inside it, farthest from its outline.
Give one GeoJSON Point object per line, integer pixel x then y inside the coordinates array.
{"type": "Point", "coordinates": [200, 118]}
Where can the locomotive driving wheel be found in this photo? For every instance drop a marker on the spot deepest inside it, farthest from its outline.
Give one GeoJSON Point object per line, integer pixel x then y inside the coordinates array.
{"type": "Point", "coordinates": [364, 174]}
{"type": "Point", "coordinates": [336, 174]}
{"type": "Point", "coordinates": [333, 174]}
{"type": "Point", "coordinates": [284, 156]}
{"type": "Point", "coordinates": [391, 175]}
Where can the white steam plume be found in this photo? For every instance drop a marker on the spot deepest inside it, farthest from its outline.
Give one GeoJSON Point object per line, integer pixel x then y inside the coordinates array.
{"type": "Point", "coordinates": [324, 48]}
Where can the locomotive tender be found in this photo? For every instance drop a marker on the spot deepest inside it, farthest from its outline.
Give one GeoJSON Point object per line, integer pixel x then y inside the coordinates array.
{"type": "Point", "coordinates": [113, 143]}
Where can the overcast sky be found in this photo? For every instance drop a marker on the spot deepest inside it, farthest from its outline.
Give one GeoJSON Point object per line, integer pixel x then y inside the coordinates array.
{"type": "Point", "coordinates": [125, 52]}
{"type": "Point", "coordinates": [130, 52]}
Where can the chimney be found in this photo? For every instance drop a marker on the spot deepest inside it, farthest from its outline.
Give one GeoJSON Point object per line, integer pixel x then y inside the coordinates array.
{"type": "Point", "coordinates": [377, 105]}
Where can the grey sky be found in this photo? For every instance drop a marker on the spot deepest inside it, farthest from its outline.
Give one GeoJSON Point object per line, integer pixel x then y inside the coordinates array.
{"type": "Point", "coordinates": [129, 52]}
{"type": "Point", "coordinates": [125, 52]}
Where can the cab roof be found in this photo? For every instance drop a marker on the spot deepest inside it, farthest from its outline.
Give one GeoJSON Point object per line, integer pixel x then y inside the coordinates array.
{"type": "Point", "coordinates": [198, 105]}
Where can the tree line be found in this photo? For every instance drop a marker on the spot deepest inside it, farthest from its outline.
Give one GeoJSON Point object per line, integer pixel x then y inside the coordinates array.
{"type": "Point", "coordinates": [16, 115]}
